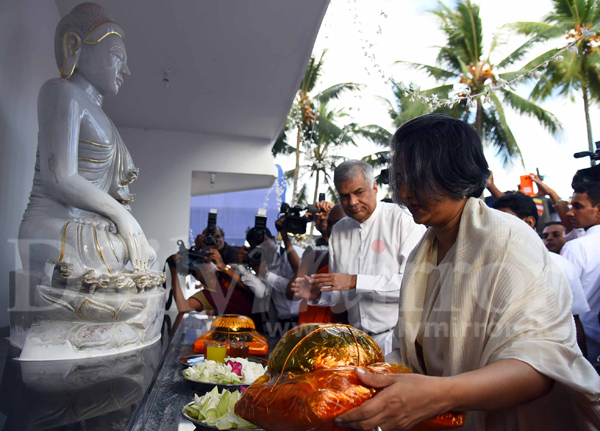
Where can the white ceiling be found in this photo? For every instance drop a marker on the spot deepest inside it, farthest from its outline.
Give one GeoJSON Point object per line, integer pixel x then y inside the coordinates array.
{"type": "Point", "coordinates": [235, 64]}
{"type": "Point", "coordinates": [224, 182]}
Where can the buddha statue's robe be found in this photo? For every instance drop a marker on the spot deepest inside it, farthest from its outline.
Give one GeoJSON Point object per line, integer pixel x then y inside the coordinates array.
{"type": "Point", "coordinates": [81, 239]}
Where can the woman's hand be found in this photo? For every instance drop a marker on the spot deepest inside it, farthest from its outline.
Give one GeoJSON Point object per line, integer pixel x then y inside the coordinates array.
{"type": "Point", "coordinates": [137, 244]}
{"type": "Point", "coordinates": [405, 401]}
{"type": "Point", "coordinates": [215, 257]}
{"type": "Point", "coordinates": [172, 261]}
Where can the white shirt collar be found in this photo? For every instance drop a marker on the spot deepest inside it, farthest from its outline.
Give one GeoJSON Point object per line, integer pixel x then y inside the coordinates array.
{"type": "Point", "coordinates": [369, 222]}
{"type": "Point", "coordinates": [594, 230]}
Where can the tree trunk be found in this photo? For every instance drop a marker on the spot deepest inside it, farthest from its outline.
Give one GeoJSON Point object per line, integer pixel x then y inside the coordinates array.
{"type": "Point", "coordinates": [297, 169]}
{"type": "Point", "coordinates": [479, 119]}
{"type": "Point", "coordinates": [317, 186]}
{"type": "Point", "coordinates": [588, 123]}
{"type": "Point", "coordinates": [312, 225]}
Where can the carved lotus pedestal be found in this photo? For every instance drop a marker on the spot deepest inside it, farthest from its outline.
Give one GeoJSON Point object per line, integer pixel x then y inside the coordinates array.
{"type": "Point", "coordinates": [94, 318]}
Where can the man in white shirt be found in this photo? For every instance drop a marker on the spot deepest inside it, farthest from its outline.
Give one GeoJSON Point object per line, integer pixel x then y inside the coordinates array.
{"type": "Point", "coordinates": [584, 254]}
{"type": "Point", "coordinates": [554, 236]}
{"type": "Point", "coordinates": [368, 250]}
{"type": "Point", "coordinates": [524, 207]}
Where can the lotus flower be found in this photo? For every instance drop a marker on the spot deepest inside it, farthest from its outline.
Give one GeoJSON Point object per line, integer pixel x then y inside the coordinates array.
{"type": "Point", "coordinates": [236, 367]}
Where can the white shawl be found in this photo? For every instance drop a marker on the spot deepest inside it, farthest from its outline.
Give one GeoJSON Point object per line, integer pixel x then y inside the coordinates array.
{"type": "Point", "coordinates": [508, 302]}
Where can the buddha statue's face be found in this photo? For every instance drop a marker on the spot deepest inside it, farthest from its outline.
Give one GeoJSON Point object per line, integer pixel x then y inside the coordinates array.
{"type": "Point", "coordinates": [104, 65]}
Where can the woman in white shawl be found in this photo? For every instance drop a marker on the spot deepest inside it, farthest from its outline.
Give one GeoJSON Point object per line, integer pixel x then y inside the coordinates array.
{"type": "Point", "coordinates": [482, 322]}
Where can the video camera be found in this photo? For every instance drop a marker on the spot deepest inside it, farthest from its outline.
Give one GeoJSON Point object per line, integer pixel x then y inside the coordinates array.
{"type": "Point", "coordinates": [594, 155]}
{"type": "Point", "coordinates": [295, 223]}
{"type": "Point", "coordinates": [190, 259]}
{"type": "Point", "coordinates": [591, 174]}
{"type": "Point", "coordinates": [384, 175]}
{"type": "Point", "coordinates": [256, 237]}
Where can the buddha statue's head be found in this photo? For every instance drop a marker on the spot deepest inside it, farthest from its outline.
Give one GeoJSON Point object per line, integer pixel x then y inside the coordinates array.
{"type": "Point", "coordinates": [88, 42]}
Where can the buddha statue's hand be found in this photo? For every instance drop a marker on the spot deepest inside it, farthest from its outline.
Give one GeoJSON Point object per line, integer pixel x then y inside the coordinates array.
{"type": "Point", "coordinates": [137, 244]}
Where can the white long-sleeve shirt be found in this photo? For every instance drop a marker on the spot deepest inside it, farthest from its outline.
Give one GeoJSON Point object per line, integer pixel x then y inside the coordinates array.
{"type": "Point", "coordinates": [275, 284]}
{"type": "Point", "coordinates": [584, 254]}
{"type": "Point", "coordinates": [580, 304]}
{"type": "Point", "coordinates": [376, 251]}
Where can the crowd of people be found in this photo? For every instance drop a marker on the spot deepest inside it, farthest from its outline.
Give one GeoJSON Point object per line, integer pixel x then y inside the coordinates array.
{"type": "Point", "coordinates": [493, 319]}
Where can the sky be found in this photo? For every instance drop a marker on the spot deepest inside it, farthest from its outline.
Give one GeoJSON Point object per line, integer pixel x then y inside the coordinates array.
{"type": "Point", "coordinates": [364, 39]}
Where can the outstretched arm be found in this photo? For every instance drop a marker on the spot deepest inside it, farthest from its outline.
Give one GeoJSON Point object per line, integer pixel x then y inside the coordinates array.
{"type": "Point", "coordinates": [496, 193]}
{"type": "Point", "coordinates": [562, 208]}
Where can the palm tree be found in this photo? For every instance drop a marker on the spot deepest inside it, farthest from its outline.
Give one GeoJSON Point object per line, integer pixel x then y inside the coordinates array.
{"type": "Point", "coordinates": [305, 112]}
{"type": "Point", "coordinates": [578, 71]}
{"type": "Point", "coordinates": [462, 61]}
{"type": "Point", "coordinates": [322, 143]}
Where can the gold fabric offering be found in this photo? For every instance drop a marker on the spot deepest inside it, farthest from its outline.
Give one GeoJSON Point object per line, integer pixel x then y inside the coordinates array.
{"type": "Point", "coordinates": [311, 380]}
{"type": "Point", "coordinates": [314, 346]}
{"type": "Point", "coordinates": [234, 327]}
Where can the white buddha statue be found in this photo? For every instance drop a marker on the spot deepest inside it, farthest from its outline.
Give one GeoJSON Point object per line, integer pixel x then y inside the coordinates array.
{"type": "Point", "coordinates": [78, 214]}
{"type": "Point", "coordinates": [78, 232]}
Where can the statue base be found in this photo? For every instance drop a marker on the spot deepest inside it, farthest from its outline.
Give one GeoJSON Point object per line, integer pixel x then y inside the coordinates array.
{"type": "Point", "coordinates": [73, 325]}
{"type": "Point", "coordinates": [86, 317]}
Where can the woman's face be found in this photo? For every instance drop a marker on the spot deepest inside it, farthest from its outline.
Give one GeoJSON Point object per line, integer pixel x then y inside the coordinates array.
{"type": "Point", "coordinates": [428, 212]}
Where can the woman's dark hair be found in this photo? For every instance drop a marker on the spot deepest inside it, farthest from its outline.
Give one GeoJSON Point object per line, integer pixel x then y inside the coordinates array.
{"type": "Point", "coordinates": [437, 156]}
{"type": "Point", "coordinates": [522, 205]}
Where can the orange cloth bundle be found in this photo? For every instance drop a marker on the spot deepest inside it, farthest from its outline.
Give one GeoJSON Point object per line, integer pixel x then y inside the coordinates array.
{"type": "Point", "coordinates": [233, 327]}
{"type": "Point", "coordinates": [312, 380]}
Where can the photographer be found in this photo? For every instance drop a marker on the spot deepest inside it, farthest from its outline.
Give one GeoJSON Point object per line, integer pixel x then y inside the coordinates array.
{"type": "Point", "coordinates": [223, 293]}
{"type": "Point", "coordinates": [270, 274]}
{"type": "Point", "coordinates": [228, 253]}
{"type": "Point", "coordinates": [321, 224]}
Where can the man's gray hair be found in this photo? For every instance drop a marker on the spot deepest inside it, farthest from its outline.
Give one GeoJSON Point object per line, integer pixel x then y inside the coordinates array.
{"type": "Point", "coordinates": [351, 169]}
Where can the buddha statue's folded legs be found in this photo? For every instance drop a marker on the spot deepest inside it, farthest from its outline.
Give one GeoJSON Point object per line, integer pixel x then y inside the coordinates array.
{"type": "Point", "coordinates": [82, 253]}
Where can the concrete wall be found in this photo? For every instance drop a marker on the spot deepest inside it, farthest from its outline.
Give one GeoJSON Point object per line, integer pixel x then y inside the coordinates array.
{"type": "Point", "coordinates": [167, 160]}
{"type": "Point", "coordinates": [26, 61]}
